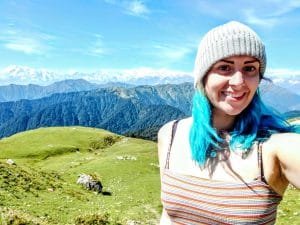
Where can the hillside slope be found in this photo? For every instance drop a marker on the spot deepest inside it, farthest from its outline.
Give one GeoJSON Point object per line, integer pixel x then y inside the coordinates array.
{"type": "Point", "coordinates": [42, 187]}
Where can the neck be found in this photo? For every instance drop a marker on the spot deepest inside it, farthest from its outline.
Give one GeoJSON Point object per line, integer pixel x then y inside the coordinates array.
{"type": "Point", "coordinates": [222, 121]}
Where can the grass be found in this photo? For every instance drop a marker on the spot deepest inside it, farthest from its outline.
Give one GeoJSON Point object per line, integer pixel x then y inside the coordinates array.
{"type": "Point", "coordinates": [289, 208]}
{"type": "Point", "coordinates": [41, 188]}
{"type": "Point", "coordinates": [42, 184]}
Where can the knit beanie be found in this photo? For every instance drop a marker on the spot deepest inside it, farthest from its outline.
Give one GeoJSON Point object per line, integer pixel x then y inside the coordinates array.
{"type": "Point", "coordinates": [227, 40]}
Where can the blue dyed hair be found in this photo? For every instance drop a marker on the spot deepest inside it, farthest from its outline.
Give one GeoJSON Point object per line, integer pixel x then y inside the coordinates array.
{"type": "Point", "coordinates": [256, 122]}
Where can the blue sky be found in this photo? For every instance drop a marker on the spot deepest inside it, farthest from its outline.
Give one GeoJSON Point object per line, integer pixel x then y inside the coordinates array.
{"type": "Point", "coordinates": [88, 35]}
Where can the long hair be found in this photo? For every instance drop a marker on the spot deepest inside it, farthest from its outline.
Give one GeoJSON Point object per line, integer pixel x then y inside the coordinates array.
{"type": "Point", "coordinates": [256, 122]}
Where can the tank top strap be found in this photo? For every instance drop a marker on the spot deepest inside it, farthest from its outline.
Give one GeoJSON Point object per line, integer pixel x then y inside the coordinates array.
{"type": "Point", "coordinates": [174, 127]}
{"type": "Point", "coordinates": [260, 161]}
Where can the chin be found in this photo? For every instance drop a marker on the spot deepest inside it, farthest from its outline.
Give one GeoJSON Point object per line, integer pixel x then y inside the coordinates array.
{"type": "Point", "coordinates": [233, 111]}
{"type": "Point", "coordinates": [230, 109]}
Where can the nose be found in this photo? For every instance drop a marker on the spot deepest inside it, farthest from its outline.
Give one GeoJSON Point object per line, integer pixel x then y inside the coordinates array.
{"type": "Point", "coordinates": [237, 79]}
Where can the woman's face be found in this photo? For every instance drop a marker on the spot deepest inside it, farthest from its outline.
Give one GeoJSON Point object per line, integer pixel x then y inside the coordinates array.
{"type": "Point", "coordinates": [231, 84]}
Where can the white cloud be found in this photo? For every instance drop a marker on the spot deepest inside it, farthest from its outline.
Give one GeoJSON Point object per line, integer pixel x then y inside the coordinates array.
{"type": "Point", "coordinates": [25, 45]}
{"type": "Point", "coordinates": [281, 7]}
{"type": "Point", "coordinates": [131, 7]}
{"type": "Point", "coordinates": [269, 13]}
{"type": "Point", "coordinates": [173, 53]}
{"type": "Point", "coordinates": [137, 8]}
{"type": "Point", "coordinates": [265, 13]}
{"type": "Point", "coordinates": [252, 18]}
{"type": "Point", "coordinates": [93, 45]}
{"type": "Point", "coordinates": [25, 41]}
{"type": "Point", "coordinates": [97, 46]}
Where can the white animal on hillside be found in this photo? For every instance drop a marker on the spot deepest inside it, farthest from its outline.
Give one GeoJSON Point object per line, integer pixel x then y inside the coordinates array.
{"type": "Point", "coordinates": [89, 182]}
{"type": "Point", "coordinates": [10, 162]}
{"type": "Point", "coordinates": [84, 179]}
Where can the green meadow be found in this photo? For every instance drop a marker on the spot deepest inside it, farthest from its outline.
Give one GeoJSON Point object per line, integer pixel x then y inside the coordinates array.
{"type": "Point", "coordinates": [41, 188]}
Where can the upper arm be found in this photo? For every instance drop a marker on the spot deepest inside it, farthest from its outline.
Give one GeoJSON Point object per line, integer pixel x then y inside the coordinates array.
{"type": "Point", "coordinates": [285, 153]}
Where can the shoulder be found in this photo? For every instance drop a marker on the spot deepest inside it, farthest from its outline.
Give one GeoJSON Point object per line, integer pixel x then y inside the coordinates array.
{"type": "Point", "coordinates": [281, 141]}
{"type": "Point", "coordinates": [165, 132]}
{"type": "Point", "coordinates": [281, 160]}
{"type": "Point", "coordinates": [281, 144]}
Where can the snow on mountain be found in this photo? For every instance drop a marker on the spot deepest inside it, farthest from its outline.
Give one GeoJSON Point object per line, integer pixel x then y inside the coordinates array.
{"type": "Point", "coordinates": [289, 79]}
{"type": "Point", "coordinates": [23, 75]}
{"type": "Point", "coordinates": [291, 83]}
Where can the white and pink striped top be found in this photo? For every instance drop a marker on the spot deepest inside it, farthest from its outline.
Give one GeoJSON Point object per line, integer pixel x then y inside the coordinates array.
{"type": "Point", "coordinates": [194, 200]}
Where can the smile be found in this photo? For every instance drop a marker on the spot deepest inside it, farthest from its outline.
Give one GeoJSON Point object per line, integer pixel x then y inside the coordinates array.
{"type": "Point", "coordinates": [234, 96]}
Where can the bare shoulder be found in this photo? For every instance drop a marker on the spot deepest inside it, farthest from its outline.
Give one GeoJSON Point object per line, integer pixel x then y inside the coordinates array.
{"type": "Point", "coordinates": [281, 160]}
{"type": "Point", "coordinates": [282, 141]}
{"type": "Point", "coordinates": [163, 139]}
{"type": "Point", "coordinates": [165, 133]}
{"type": "Point", "coordinates": [281, 145]}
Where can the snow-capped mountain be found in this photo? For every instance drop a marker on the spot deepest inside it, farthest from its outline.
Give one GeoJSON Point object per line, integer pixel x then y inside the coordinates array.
{"type": "Point", "coordinates": [292, 83]}
{"type": "Point", "coordinates": [286, 78]}
{"type": "Point", "coordinates": [23, 75]}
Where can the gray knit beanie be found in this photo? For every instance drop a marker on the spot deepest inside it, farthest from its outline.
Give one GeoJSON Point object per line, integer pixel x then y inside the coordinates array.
{"type": "Point", "coordinates": [227, 40]}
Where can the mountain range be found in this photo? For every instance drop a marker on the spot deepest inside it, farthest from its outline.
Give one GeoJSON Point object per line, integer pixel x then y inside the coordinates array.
{"type": "Point", "coordinates": [137, 111]}
{"type": "Point", "coordinates": [23, 75]}
{"type": "Point", "coordinates": [14, 92]}
{"type": "Point", "coordinates": [120, 110]}
{"type": "Point", "coordinates": [292, 83]}
{"type": "Point", "coordinates": [282, 99]}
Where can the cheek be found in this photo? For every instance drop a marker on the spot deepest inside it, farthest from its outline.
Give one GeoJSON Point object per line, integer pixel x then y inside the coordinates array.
{"type": "Point", "coordinates": [213, 84]}
{"type": "Point", "coordinates": [212, 79]}
{"type": "Point", "coordinates": [253, 83]}
{"type": "Point", "coordinates": [212, 93]}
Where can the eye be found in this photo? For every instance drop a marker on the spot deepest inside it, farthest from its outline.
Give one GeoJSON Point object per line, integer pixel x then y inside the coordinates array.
{"type": "Point", "coordinates": [249, 68]}
{"type": "Point", "coordinates": [224, 68]}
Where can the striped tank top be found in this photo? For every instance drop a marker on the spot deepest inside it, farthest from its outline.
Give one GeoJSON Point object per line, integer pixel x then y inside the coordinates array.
{"type": "Point", "coordinates": [194, 200]}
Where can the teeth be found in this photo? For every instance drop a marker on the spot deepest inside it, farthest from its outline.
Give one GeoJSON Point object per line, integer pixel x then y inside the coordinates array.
{"type": "Point", "coordinates": [230, 94]}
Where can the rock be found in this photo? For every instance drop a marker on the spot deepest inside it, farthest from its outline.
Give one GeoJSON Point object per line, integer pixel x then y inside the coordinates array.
{"type": "Point", "coordinates": [10, 162]}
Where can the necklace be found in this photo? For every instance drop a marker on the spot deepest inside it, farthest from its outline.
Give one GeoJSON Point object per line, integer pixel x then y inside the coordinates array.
{"type": "Point", "coordinates": [221, 152]}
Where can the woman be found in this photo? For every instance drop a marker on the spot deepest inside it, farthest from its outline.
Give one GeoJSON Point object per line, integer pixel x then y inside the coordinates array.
{"type": "Point", "coordinates": [231, 162]}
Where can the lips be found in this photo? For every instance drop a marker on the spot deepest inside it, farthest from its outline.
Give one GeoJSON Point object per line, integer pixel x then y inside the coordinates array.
{"type": "Point", "coordinates": [234, 96]}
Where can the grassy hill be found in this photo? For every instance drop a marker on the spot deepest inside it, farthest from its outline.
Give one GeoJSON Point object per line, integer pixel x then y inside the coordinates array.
{"type": "Point", "coordinates": [41, 187]}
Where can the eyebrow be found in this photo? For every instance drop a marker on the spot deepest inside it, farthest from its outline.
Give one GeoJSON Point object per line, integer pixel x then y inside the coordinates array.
{"type": "Point", "coordinates": [232, 62]}
{"type": "Point", "coordinates": [227, 61]}
{"type": "Point", "coordinates": [252, 61]}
